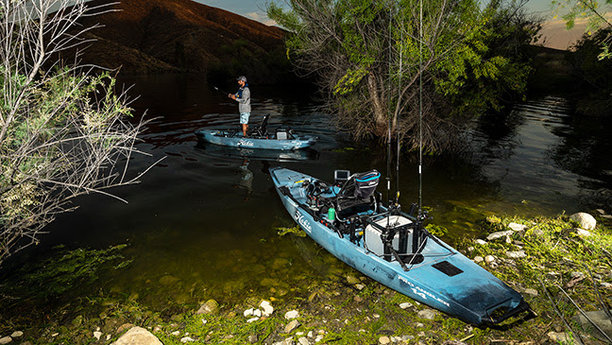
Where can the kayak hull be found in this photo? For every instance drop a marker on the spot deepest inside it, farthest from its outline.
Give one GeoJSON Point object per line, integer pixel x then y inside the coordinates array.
{"type": "Point", "coordinates": [226, 138]}
{"type": "Point", "coordinates": [474, 295]}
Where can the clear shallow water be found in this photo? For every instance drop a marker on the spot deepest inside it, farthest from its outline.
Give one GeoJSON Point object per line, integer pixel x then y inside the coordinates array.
{"type": "Point", "coordinates": [207, 216]}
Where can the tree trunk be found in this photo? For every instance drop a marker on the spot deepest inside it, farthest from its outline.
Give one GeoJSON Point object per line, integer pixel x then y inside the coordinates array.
{"type": "Point", "coordinates": [380, 118]}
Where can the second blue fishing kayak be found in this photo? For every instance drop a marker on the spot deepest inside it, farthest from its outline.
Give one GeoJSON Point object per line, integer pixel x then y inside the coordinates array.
{"type": "Point", "coordinates": [284, 141]}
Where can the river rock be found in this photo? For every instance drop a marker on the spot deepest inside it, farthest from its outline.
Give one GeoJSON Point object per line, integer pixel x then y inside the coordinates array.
{"type": "Point", "coordinates": [267, 308]}
{"type": "Point", "coordinates": [17, 334]}
{"type": "Point", "coordinates": [359, 286]}
{"type": "Point", "coordinates": [600, 318]}
{"type": "Point", "coordinates": [185, 340]}
{"type": "Point", "coordinates": [532, 292]}
{"type": "Point", "coordinates": [351, 279]}
{"type": "Point", "coordinates": [428, 314]}
{"type": "Point", "coordinates": [517, 226]}
{"type": "Point", "coordinates": [499, 234]}
{"type": "Point", "coordinates": [600, 211]}
{"type": "Point", "coordinates": [168, 280]}
{"type": "Point", "coordinates": [559, 337]}
{"type": "Point", "coordinates": [253, 319]}
{"type": "Point", "coordinates": [489, 259]}
{"type": "Point", "coordinates": [384, 340]}
{"type": "Point", "coordinates": [516, 254]}
{"type": "Point", "coordinates": [211, 307]}
{"type": "Point", "coordinates": [292, 326]}
{"type": "Point", "coordinates": [97, 335]}
{"type": "Point", "coordinates": [405, 305]}
{"type": "Point", "coordinates": [303, 341]}
{"type": "Point", "coordinates": [481, 242]}
{"type": "Point", "coordinates": [292, 314]}
{"type": "Point", "coordinates": [478, 259]}
{"type": "Point", "coordinates": [248, 312]}
{"type": "Point", "coordinates": [5, 340]}
{"type": "Point", "coordinates": [585, 220]}
{"type": "Point", "coordinates": [137, 336]}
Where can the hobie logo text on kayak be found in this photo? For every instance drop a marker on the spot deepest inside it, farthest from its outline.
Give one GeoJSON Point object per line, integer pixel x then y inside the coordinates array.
{"type": "Point", "coordinates": [299, 217]}
{"type": "Point", "coordinates": [242, 142]}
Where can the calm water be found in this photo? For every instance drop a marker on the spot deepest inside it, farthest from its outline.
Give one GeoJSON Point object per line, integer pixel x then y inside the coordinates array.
{"type": "Point", "coordinates": [208, 215]}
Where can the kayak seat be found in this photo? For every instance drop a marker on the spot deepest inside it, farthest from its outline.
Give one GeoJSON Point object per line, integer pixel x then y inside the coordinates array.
{"type": "Point", "coordinates": [356, 195]}
{"type": "Point", "coordinates": [261, 130]}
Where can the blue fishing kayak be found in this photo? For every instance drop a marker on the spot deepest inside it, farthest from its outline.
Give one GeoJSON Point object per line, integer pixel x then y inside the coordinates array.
{"type": "Point", "coordinates": [391, 247]}
{"type": "Point", "coordinates": [268, 142]}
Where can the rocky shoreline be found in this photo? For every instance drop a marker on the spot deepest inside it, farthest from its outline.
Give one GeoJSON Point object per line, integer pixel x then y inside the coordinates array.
{"type": "Point", "coordinates": [538, 257]}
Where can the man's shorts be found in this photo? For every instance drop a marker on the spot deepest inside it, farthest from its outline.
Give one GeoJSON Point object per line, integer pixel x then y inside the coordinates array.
{"type": "Point", "coordinates": [244, 118]}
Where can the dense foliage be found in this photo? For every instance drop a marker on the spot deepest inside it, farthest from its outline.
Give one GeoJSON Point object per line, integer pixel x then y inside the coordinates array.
{"type": "Point", "coordinates": [366, 56]}
{"type": "Point", "coordinates": [64, 131]}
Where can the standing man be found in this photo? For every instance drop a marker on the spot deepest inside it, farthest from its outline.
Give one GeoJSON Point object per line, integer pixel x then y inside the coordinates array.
{"type": "Point", "coordinates": [243, 97]}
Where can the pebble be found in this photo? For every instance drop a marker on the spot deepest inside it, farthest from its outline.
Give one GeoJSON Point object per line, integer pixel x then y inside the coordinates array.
{"type": "Point", "coordinates": [253, 319]}
{"type": "Point", "coordinates": [405, 305]}
{"type": "Point", "coordinates": [257, 313]}
{"type": "Point", "coordinates": [419, 325]}
{"type": "Point", "coordinates": [319, 338]}
{"type": "Point", "coordinates": [248, 312]}
{"type": "Point", "coordinates": [585, 220]}
{"type": "Point", "coordinates": [176, 333]}
{"type": "Point", "coordinates": [292, 326]}
{"type": "Point", "coordinates": [559, 337]}
{"type": "Point", "coordinates": [187, 340]}
{"type": "Point", "coordinates": [97, 335]}
{"type": "Point", "coordinates": [499, 234]}
{"type": "Point", "coordinates": [54, 334]}
{"type": "Point", "coordinates": [478, 259]}
{"type": "Point", "coordinates": [359, 286]}
{"type": "Point", "coordinates": [17, 334]}
{"type": "Point", "coordinates": [517, 226]}
{"type": "Point", "coordinates": [5, 340]}
{"type": "Point", "coordinates": [489, 259]}
{"type": "Point", "coordinates": [516, 254]}
{"type": "Point", "coordinates": [600, 211]}
{"type": "Point", "coordinates": [428, 314]}
{"type": "Point", "coordinates": [384, 340]}
{"type": "Point", "coordinates": [481, 242]}
{"type": "Point", "coordinates": [292, 314]}
{"type": "Point", "coordinates": [253, 338]}
{"type": "Point", "coordinates": [267, 308]}
{"type": "Point", "coordinates": [532, 292]}
{"type": "Point", "coordinates": [303, 341]}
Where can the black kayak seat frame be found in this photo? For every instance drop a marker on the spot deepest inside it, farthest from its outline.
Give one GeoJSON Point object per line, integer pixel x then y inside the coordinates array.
{"type": "Point", "coordinates": [262, 129]}
{"type": "Point", "coordinates": [357, 194]}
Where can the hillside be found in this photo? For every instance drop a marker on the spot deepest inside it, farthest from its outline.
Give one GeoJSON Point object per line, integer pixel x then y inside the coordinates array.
{"type": "Point", "coordinates": [149, 36]}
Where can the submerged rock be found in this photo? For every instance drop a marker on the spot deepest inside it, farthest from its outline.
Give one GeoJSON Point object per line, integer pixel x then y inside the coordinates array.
{"type": "Point", "coordinates": [585, 220]}
{"type": "Point", "coordinates": [292, 326]}
{"type": "Point", "coordinates": [600, 318]}
{"type": "Point", "coordinates": [428, 314]}
{"type": "Point", "coordinates": [405, 305]}
{"type": "Point", "coordinates": [516, 254]}
{"type": "Point", "coordinates": [478, 259]}
{"type": "Point", "coordinates": [384, 340]}
{"type": "Point", "coordinates": [489, 259]}
{"type": "Point", "coordinates": [17, 334]}
{"type": "Point", "coordinates": [211, 307]}
{"type": "Point", "coordinates": [560, 337]}
{"type": "Point", "coordinates": [5, 340]}
{"type": "Point", "coordinates": [292, 314]}
{"type": "Point", "coordinates": [499, 234]}
{"type": "Point", "coordinates": [137, 336]}
{"type": "Point", "coordinates": [517, 226]}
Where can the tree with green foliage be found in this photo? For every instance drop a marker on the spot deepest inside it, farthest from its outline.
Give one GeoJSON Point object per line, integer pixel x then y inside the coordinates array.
{"type": "Point", "coordinates": [598, 23]}
{"type": "Point", "coordinates": [64, 131]}
{"type": "Point", "coordinates": [366, 55]}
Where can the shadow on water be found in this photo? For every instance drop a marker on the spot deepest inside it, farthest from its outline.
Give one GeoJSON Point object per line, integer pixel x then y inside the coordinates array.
{"type": "Point", "coordinates": [203, 222]}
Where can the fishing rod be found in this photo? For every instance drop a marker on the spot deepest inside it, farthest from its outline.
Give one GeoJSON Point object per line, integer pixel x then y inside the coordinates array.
{"type": "Point", "coordinates": [221, 91]}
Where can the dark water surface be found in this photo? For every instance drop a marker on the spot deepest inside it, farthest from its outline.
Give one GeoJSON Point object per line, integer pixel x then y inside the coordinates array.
{"type": "Point", "coordinates": [207, 216]}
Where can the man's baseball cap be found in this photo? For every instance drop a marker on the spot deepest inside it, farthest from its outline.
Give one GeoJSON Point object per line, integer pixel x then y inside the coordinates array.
{"type": "Point", "coordinates": [243, 78]}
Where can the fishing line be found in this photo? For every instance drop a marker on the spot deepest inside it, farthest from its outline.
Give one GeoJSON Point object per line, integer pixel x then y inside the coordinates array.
{"type": "Point", "coordinates": [420, 106]}
{"type": "Point", "coordinates": [397, 132]}
{"type": "Point", "coordinates": [390, 53]}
